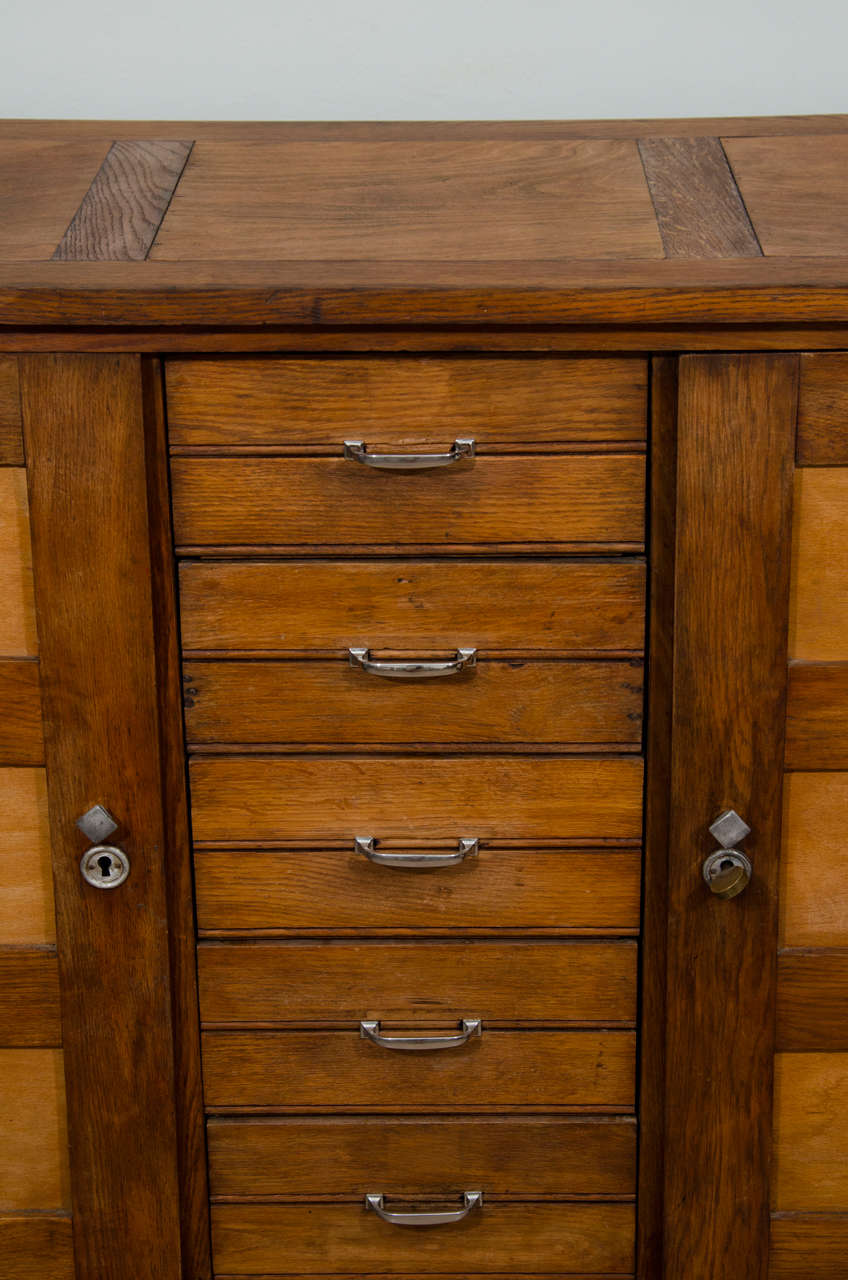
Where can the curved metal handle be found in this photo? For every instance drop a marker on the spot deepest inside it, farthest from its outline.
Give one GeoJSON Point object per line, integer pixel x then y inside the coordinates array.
{"type": "Point", "coordinates": [470, 1027]}
{"type": "Point", "coordinates": [425, 1217]}
{"type": "Point", "coordinates": [356, 451]}
{"type": "Point", "coordinates": [465, 660]}
{"type": "Point", "coordinates": [466, 848]}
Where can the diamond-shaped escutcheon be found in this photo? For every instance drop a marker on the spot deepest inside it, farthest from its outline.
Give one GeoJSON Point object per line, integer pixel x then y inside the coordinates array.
{"type": "Point", "coordinates": [97, 823]}
{"type": "Point", "coordinates": [729, 829]}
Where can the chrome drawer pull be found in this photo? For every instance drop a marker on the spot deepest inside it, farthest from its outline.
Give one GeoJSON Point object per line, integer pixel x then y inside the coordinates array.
{"type": "Point", "coordinates": [356, 451]}
{"type": "Point", "coordinates": [465, 660]}
{"type": "Point", "coordinates": [425, 1217]}
{"type": "Point", "coordinates": [470, 1027]}
{"type": "Point", "coordinates": [466, 848]}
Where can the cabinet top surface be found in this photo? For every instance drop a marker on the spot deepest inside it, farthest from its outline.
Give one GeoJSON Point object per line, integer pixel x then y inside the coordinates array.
{"type": "Point", "coordinates": [632, 222]}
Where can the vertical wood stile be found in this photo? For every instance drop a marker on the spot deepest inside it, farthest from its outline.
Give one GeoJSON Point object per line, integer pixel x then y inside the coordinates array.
{"type": "Point", "coordinates": [736, 427]}
{"type": "Point", "coordinates": [84, 433]}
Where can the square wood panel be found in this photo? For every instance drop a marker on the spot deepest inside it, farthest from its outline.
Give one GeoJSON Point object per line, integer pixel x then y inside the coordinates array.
{"type": "Point", "coordinates": [433, 201]}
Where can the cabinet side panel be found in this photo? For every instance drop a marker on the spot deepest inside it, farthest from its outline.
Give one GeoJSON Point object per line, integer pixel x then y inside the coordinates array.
{"type": "Point", "coordinates": [35, 1227]}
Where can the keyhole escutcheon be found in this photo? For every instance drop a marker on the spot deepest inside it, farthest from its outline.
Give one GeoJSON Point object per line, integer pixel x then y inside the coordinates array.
{"type": "Point", "coordinates": [104, 866]}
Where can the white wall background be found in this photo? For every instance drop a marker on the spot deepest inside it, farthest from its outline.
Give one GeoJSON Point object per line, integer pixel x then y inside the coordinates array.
{"type": "Point", "coordinates": [421, 59]}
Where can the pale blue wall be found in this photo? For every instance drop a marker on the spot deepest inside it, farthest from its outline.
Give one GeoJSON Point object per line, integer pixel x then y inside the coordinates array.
{"type": "Point", "coordinates": [436, 59]}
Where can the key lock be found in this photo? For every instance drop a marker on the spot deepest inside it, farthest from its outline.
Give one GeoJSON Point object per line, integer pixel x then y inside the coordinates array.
{"type": "Point", "coordinates": [103, 866]}
{"type": "Point", "coordinates": [728, 871]}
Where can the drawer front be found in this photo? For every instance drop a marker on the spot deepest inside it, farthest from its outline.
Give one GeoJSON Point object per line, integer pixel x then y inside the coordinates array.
{"type": "Point", "coordinates": [325, 703]}
{"type": "Point", "coordinates": [550, 890]}
{"type": "Point", "coordinates": [306, 798]}
{"type": "Point", "coordinates": [510, 1239]}
{"type": "Point", "coordinates": [418, 983]}
{"type": "Point", "coordinates": [417, 607]}
{"type": "Point", "coordinates": [520, 503]}
{"type": "Point", "coordinates": [520, 1071]}
{"type": "Point", "coordinates": [406, 402]}
{"type": "Point", "coordinates": [530, 1157]}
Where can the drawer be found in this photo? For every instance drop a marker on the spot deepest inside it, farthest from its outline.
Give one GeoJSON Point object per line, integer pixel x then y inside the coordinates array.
{"type": "Point", "coordinates": [561, 703]}
{"type": "Point", "coordinates": [406, 402]}
{"type": "Point", "coordinates": [557, 502]}
{"type": "Point", "coordinates": [505, 1239]}
{"type": "Point", "coordinates": [513, 1071]}
{"type": "Point", "coordinates": [429, 607]}
{"type": "Point", "coordinates": [261, 799]}
{"type": "Point", "coordinates": [527, 1157]}
{"type": "Point", "coordinates": [418, 984]}
{"type": "Point", "coordinates": [547, 890]}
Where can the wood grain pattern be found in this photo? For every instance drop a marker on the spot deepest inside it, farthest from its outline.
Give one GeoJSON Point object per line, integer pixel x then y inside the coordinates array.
{"type": "Point", "coordinates": [123, 208]}
{"type": "Point", "coordinates": [808, 1244]}
{"type": "Point", "coordinates": [29, 998]}
{"type": "Point", "coordinates": [405, 130]}
{"type": "Point", "coordinates": [21, 734]}
{"type": "Point", "coordinates": [736, 441]}
{"type": "Point", "coordinates": [328, 501]}
{"type": "Point", "coordinates": [11, 438]}
{"type": "Point", "coordinates": [316, 607]}
{"type": "Point", "coordinates": [817, 716]}
{"type": "Point", "coordinates": [794, 190]}
{"type": "Point", "coordinates": [36, 1247]}
{"type": "Point", "coordinates": [250, 1239]}
{"type": "Point", "coordinates": [341, 1156]}
{"type": "Point", "coordinates": [810, 1169]}
{"type": "Point", "coordinates": [823, 411]}
{"type": "Point", "coordinates": [497, 702]}
{"type": "Point", "coordinates": [531, 340]}
{"type": "Point", "coordinates": [190, 1129]}
{"type": "Point", "coordinates": [812, 1000]}
{"type": "Point", "coordinates": [419, 982]}
{"type": "Point", "coordinates": [524, 1071]}
{"type": "Point", "coordinates": [17, 618]}
{"type": "Point", "coordinates": [819, 609]}
{"type": "Point", "coordinates": [42, 183]}
{"type": "Point", "coordinates": [608, 303]}
{"type": "Point", "coordinates": [34, 1150]}
{"type": "Point", "coordinates": [699, 211]}
{"type": "Point", "coordinates": [26, 869]}
{"type": "Point", "coordinates": [85, 444]}
{"type": "Point", "coordinates": [422, 798]}
{"type": "Point", "coordinates": [444, 201]}
{"type": "Point", "coordinates": [814, 867]}
{"type": "Point", "coordinates": [400, 402]}
{"type": "Point", "coordinates": [550, 890]}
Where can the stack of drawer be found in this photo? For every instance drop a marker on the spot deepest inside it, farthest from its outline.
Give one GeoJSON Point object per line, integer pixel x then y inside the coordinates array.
{"type": "Point", "coordinates": [413, 711]}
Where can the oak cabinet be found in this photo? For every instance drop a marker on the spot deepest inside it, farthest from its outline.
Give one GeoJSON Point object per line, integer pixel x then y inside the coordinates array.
{"type": "Point", "coordinates": [413, 539]}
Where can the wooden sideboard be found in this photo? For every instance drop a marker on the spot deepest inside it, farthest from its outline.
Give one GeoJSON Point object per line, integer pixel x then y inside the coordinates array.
{"type": "Point", "coordinates": [413, 539]}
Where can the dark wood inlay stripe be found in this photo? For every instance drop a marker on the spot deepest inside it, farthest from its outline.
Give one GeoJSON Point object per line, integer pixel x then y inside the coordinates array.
{"type": "Point", "coordinates": [21, 736]}
{"type": "Point", "coordinates": [125, 204]}
{"type": "Point", "coordinates": [807, 1245]}
{"type": "Point", "coordinates": [36, 1246]}
{"type": "Point", "coordinates": [812, 1001]}
{"type": "Point", "coordinates": [29, 998]}
{"type": "Point", "coordinates": [700, 212]}
{"type": "Point", "coordinates": [11, 437]}
{"type": "Point", "coordinates": [817, 716]}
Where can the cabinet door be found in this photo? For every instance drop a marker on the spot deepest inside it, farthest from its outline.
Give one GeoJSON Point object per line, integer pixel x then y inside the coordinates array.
{"type": "Point", "coordinates": [723, 466]}
{"type": "Point", "coordinates": [103, 575]}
